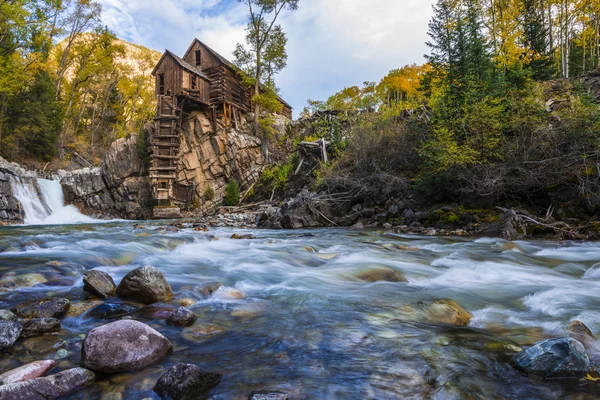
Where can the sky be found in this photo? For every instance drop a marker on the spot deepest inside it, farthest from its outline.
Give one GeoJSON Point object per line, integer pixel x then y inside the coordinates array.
{"type": "Point", "coordinates": [332, 44]}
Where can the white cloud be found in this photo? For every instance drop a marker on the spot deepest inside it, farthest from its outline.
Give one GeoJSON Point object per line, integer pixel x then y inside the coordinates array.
{"type": "Point", "coordinates": [332, 43]}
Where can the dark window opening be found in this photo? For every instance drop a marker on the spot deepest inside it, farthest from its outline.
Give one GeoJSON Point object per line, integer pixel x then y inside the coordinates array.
{"type": "Point", "coordinates": [243, 96]}
{"type": "Point", "coordinates": [198, 58]}
{"type": "Point", "coordinates": [161, 83]}
{"type": "Point", "coordinates": [194, 82]}
{"type": "Point", "coordinates": [163, 185]}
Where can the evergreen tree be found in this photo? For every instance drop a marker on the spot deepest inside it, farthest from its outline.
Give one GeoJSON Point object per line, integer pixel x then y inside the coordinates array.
{"type": "Point", "coordinates": [535, 35]}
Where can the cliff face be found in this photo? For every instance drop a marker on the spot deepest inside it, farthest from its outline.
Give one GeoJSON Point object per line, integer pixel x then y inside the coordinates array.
{"type": "Point", "coordinates": [119, 189]}
{"type": "Point", "coordinates": [211, 160]}
{"type": "Point", "coordinates": [10, 209]}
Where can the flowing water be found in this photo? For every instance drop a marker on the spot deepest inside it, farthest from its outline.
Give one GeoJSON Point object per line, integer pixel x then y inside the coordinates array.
{"type": "Point", "coordinates": [306, 325]}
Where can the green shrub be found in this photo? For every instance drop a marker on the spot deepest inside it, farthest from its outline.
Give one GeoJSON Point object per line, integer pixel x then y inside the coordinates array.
{"type": "Point", "coordinates": [209, 194]}
{"type": "Point", "coordinates": [232, 194]}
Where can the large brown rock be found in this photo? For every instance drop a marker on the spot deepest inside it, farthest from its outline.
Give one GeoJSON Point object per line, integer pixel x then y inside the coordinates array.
{"type": "Point", "coordinates": [121, 161]}
{"type": "Point", "coordinates": [51, 307]}
{"type": "Point", "coordinates": [146, 285]}
{"type": "Point", "coordinates": [28, 371]}
{"type": "Point", "coordinates": [124, 345]}
{"type": "Point", "coordinates": [50, 387]}
{"type": "Point", "coordinates": [99, 283]}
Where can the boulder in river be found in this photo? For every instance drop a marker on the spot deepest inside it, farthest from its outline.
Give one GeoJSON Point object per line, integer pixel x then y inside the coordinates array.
{"type": "Point", "coordinates": [562, 357]}
{"type": "Point", "coordinates": [51, 307]}
{"type": "Point", "coordinates": [110, 310]}
{"type": "Point", "coordinates": [124, 345]}
{"type": "Point", "coordinates": [580, 332]}
{"type": "Point", "coordinates": [9, 333]}
{"type": "Point", "coordinates": [99, 283]}
{"type": "Point", "coordinates": [39, 326]}
{"type": "Point", "coordinates": [182, 317]}
{"type": "Point", "coordinates": [49, 387]}
{"type": "Point", "coordinates": [185, 382]}
{"type": "Point", "coordinates": [28, 371]}
{"type": "Point", "coordinates": [145, 284]}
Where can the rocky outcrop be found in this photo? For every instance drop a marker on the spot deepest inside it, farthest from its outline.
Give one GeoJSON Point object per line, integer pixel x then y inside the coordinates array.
{"type": "Point", "coordinates": [120, 188]}
{"type": "Point", "coordinates": [124, 345]}
{"type": "Point", "coordinates": [146, 285]}
{"type": "Point", "coordinates": [10, 209]}
{"type": "Point", "coordinates": [211, 159]}
{"type": "Point", "coordinates": [185, 382]}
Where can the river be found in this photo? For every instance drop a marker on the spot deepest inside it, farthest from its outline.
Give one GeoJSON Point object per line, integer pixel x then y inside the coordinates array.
{"type": "Point", "coordinates": [291, 315]}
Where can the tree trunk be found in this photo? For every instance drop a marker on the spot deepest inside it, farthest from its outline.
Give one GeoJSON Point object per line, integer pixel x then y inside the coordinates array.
{"type": "Point", "coordinates": [2, 110]}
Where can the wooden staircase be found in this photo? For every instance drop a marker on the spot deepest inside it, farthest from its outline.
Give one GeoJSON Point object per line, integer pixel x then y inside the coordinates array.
{"type": "Point", "coordinates": [164, 144]}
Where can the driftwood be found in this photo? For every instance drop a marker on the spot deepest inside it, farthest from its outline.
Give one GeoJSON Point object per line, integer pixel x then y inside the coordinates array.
{"type": "Point", "coordinates": [562, 229]}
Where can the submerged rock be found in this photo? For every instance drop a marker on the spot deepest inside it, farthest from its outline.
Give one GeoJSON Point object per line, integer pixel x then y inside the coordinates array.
{"type": "Point", "coordinates": [45, 344]}
{"type": "Point", "coordinates": [380, 274]}
{"type": "Point", "coordinates": [28, 371]}
{"type": "Point", "coordinates": [51, 307]}
{"type": "Point", "coordinates": [77, 309]}
{"type": "Point", "coordinates": [238, 236]}
{"type": "Point", "coordinates": [146, 284]}
{"type": "Point", "coordinates": [580, 332]}
{"type": "Point", "coordinates": [268, 395]}
{"type": "Point", "coordinates": [99, 283]}
{"type": "Point", "coordinates": [207, 289]}
{"type": "Point", "coordinates": [182, 317]}
{"type": "Point", "coordinates": [110, 310]}
{"type": "Point", "coordinates": [9, 333]}
{"type": "Point", "coordinates": [50, 387]}
{"type": "Point", "coordinates": [562, 357]}
{"type": "Point", "coordinates": [185, 382]}
{"type": "Point", "coordinates": [39, 326]}
{"type": "Point", "coordinates": [11, 282]}
{"type": "Point", "coordinates": [123, 346]}
{"type": "Point", "coordinates": [446, 312]}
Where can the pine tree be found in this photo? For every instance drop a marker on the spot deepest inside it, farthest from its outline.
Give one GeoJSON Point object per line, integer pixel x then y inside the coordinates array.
{"type": "Point", "coordinates": [536, 40]}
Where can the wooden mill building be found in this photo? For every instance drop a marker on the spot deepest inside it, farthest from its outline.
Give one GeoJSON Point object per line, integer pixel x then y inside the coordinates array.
{"type": "Point", "coordinates": [202, 80]}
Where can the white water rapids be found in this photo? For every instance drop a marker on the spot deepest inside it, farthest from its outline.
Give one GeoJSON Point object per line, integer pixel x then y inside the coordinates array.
{"type": "Point", "coordinates": [43, 202]}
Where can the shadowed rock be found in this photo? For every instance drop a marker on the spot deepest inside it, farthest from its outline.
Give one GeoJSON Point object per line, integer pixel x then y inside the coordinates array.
{"type": "Point", "coordinates": [99, 284]}
{"type": "Point", "coordinates": [124, 345]}
{"type": "Point", "coordinates": [50, 387]}
{"type": "Point", "coordinates": [51, 307]}
{"type": "Point", "coordinates": [562, 357]}
{"type": "Point", "coordinates": [9, 333]}
{"type": "Point", "coordinates": [182, 317]}
{"type": "Point", "coordinates": [28, 371]}
{"type": "Point", "coordinates": [146, 284]}
{"type": "Point", "coordinates": [39, 326]}
{"type": "Point", "coordinates": [185, 382]}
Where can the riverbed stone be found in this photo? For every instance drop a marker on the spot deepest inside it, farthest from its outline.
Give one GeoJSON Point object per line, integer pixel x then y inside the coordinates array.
{"type": "Point", "coordinates": [9, 333]}
{"type": "Point", "coordinates": [446, 312]}
{"type": "Point", "coordinates": [28, 371]}
{"type": "Point", "coordinates": [124, 345]}
{"type": "Point", "coordinates": [51, 307]}
{"type": "Point", "coordinates": [12, 282]}
{"type": "Point", "coordinates": [562, 357]}
{"type": "Point", "coordinates": [248, 236]}
{"type": "Point", "coordinates": [145, 284]}
{"type": "Point", "coordinates": [99, 283]}
{"type": "Point", "coordinates": [580, 332]}
{"type": "Point", "coordinates": [380, 274]}
{"type": "Point", "coordinates": [45, 344]}
{"type": "Point", "coordinates": [50, 387]}
{"type": "Point", "coordinates": [185, 382]}
{"type": "Point", "coordinates": [110, 310]}
{"type": "Point", "coordinates": [182, 317]}
{"type": "Point", "coordinates": [6, 315]}
{"type": "Point", "coordinates": [80, 308]}
{"type": "Point", "coordinates": [268, 395]}
{"type": "Point", "coordinates": [39, 326]}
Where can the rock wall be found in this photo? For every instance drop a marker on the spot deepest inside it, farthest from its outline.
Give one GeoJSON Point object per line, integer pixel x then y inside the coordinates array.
{"type": "Point", "coordinates": [10, 209]}
{"type": "Point", "coordinates": [210, 160]}
{"type": "Point", "coordinates": [120, 188]}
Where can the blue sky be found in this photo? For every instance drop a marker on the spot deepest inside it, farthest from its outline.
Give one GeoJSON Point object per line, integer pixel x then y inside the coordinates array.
{"type": "Point", "coordinates": [331, 43]}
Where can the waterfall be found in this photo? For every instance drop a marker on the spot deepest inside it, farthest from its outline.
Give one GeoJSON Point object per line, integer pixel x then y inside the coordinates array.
{"type": "Point", "coordinates": [43, 202]}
